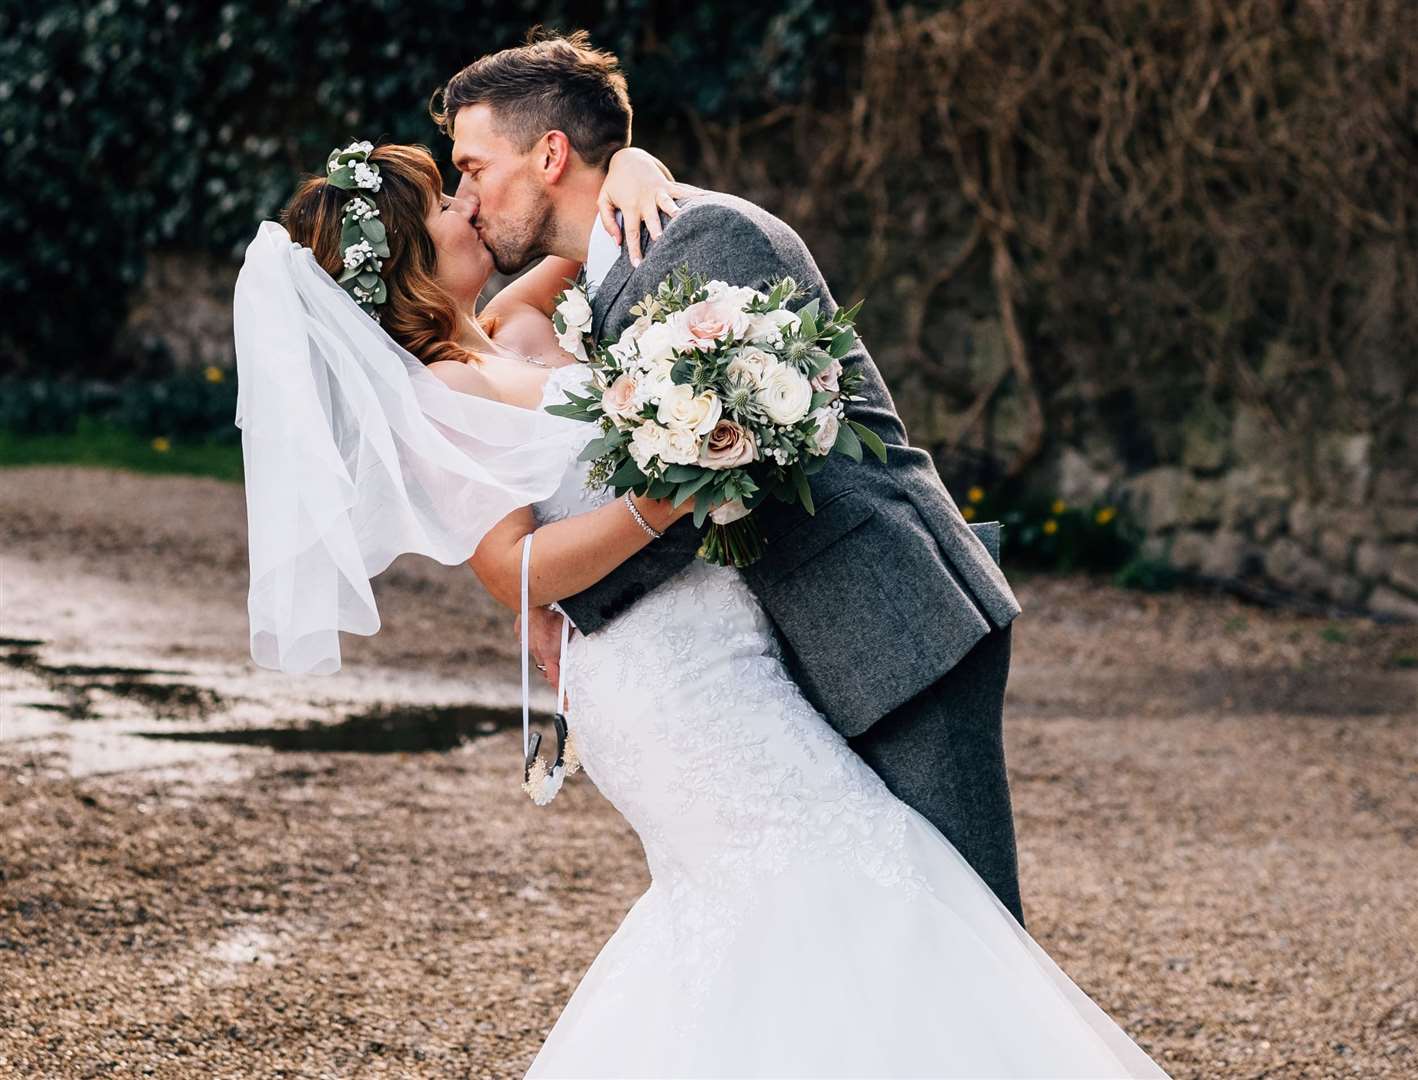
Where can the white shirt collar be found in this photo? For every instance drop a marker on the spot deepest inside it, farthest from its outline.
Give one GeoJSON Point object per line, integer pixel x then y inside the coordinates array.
{"type": "Point", "coordinates": [601, 253]}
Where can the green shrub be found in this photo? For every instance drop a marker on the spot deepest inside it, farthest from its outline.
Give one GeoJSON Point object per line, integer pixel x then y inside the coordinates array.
{"type": "Point", "coordinates": [1046, 533]}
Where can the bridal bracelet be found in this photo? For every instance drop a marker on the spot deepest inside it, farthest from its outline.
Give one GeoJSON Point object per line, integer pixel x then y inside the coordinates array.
{"type": "Point", "coordinates": [650, 530]}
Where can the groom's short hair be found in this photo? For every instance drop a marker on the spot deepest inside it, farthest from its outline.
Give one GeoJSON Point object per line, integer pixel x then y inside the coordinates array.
{"type": "Point", "coordinates": [553, 82]}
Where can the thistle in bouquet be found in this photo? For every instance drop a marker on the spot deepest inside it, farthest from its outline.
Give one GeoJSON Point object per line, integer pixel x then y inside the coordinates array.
{"type": "Point", "coordinates": [721, 393]}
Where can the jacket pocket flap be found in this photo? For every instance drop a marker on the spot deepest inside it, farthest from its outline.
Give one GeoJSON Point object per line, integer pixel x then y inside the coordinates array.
{"type": "Point", "coordinates": [834, 519]}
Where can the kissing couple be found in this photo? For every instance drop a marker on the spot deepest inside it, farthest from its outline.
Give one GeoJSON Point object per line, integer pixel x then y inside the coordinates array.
{"type": "Point", "coordinates": [808, 746]}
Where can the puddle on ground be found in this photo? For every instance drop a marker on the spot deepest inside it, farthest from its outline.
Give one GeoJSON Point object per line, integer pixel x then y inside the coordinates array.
{"type": "Point", "coordinates": [85, 716]}
{"type": "Point", "coordinates": [385, 730]}
{"type": "Point", "coordinates": [77, 683]}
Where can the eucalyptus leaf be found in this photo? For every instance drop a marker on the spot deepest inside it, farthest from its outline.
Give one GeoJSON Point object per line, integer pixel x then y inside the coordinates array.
{"type": "Point", "coordinates": [848, 443]}
{"type": "Point", "coordinates": [871, 439]}
{"type": "Point", "coordinates": [804, 491]}
{"type": "Point", "coordinates": [842, 344]}
{"type": "Point", "coordinates": [808, 317]}
{"type": "Point", "coordinates": [570, 410]}
{"type": "Point", "coordinates": [679, 474]}
{"type": "Point", "coordinates": [689, 487]}
{"type": "Point", "coordinates": [373, 230]}
{"type": "Point", "coordinates": [628, 474]}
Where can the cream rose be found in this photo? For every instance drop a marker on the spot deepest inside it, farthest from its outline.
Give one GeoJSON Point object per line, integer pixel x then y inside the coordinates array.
{"type": "Point", "coordinates": [648, 440]}
{"type": "Point", "coordinates": [828, 426]}
{"type": "Point", "coordinates": [681, 447]}
{"type": "Point", "coordinates": [785, 394]}
{"type": "Point", "coordinates": [728, 446]}
{"type": "Point", "coordinates": [751, 366]}
{"type": "Point", "coordinates": [680, 407]}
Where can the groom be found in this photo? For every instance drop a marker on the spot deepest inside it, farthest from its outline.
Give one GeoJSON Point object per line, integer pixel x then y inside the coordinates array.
{"type": "Point", "coordinates": [894, 617]}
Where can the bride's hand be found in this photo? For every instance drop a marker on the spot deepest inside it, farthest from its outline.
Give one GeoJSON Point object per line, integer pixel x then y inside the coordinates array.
{"type": "Point", "coordinates": [639, 186]}
{"type": "Point", "coordinates": [662, 513]}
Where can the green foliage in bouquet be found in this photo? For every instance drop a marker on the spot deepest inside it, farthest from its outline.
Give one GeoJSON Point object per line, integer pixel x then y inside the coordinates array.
{"type": "Point", "coordinates": [727, 396]}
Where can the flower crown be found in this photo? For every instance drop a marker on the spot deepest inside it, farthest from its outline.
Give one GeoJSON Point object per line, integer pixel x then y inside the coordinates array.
{"type": "Point", "coordinates": [363, 242]}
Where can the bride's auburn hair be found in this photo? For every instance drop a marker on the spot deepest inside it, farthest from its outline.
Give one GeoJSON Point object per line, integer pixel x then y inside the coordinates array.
{"type": "Point", "coordinates": [419, 314]}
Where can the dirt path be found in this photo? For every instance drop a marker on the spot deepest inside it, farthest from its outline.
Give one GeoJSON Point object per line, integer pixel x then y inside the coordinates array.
{"type": "Point", "coordinates": [1217, 808]}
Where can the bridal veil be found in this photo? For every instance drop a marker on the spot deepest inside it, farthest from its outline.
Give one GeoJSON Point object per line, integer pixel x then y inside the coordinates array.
{"type": "Point", "coordinates": [355, 453]}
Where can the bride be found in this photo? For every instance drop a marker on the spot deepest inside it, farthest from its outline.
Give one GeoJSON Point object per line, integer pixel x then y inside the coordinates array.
{"type": "Point", "coordinates": [801, 921]}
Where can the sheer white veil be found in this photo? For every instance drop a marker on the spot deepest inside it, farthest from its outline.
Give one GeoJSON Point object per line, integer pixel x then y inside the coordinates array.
{"type": "Point", "coordinates": [355, 453]}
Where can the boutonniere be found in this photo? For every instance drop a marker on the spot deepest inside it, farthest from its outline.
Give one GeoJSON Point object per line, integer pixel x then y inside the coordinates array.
{"type": "Point", "coordinates": [572, 319]}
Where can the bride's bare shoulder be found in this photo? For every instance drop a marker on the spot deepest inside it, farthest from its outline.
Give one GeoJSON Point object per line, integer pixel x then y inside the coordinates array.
{"type": "Point", "coordinates": [466, 378]}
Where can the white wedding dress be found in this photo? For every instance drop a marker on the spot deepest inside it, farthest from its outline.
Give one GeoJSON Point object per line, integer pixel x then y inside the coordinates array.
{"type": "Point", "coordinates": [801, 921]}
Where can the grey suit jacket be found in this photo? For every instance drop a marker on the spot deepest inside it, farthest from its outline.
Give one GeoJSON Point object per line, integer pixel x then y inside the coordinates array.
{"type": "Point", "coordinates": [886, 587]}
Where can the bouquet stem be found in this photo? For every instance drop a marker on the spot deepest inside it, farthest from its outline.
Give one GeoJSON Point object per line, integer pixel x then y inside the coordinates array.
{"type": "Point", "coordinates": [736, 544]}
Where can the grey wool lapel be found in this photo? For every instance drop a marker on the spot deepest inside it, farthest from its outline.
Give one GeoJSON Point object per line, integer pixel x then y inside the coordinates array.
{"type": "Point", "coordinates": [608, 292]}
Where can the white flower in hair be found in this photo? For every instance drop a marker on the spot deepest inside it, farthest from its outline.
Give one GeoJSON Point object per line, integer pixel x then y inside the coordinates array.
{"type": "Point", "coordinates": [361, 210]}
{"type": "Point", "coordinates": [357, 254]}
{"type": "Point", "coordinates": [367, 176]}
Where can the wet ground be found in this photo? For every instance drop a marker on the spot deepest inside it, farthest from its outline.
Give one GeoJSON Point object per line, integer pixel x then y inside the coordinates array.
{"type": "Point", "coordinates": [211, 870]}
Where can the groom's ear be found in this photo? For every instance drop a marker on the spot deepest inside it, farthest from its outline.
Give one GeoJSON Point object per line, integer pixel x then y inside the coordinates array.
{"type": "Point", "coordinates": [555, 156]}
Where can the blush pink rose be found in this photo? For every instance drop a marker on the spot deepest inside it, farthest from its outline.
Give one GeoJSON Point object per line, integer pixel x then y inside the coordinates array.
{"type": "Point", "coordinates": [728, 446]}
{"type": "Point", "coordinates": [826, 379]}
{"type": "Point", "coordinates": [713, 320]}
{"type": "Point", "coordinates": [619, 398]}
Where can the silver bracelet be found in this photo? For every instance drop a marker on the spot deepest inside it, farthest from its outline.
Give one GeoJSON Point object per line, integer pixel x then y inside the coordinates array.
{"type": "Point", "coordinates": [653, 532]}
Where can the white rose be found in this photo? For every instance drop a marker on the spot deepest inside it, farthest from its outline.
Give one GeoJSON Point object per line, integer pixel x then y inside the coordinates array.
{"type": "Point", "coordinates": [785, 395]}
{"type": "Point", "coordinates": [680, 407]}
{"type": "Point", "coordinates": [751, 366]}
{"type": "Point", "coordinates": [646, 441]}
{"type": "Point", "coordinates": [681, 447]}
{"type": "Point", "coordinates": [655, 382]}
{"type": "Point", "coordinates": [769, 326]}
{"type": "Point", "coordinates": [739, 296]}
{"type": "Point", "coordinates": [572, 342]}
{"type": "Point", "coordinates": [575, 310]}
{"type": "Point", "coordinates": [657, 342]}
{"type": "Point", "coordinates": [828, 425]}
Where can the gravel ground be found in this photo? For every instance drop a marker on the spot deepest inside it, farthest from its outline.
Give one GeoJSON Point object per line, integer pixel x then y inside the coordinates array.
{"type": "Point", "coordinates": [1217, 808]}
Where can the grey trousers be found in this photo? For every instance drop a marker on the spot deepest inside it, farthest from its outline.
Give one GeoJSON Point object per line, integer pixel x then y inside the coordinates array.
{"type": "Point", "coordinates": [942, 753]}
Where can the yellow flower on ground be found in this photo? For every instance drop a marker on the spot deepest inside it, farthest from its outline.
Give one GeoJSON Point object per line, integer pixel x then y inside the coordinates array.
{"type": "Point", "coordinates": [976, 493]}
{"type": "Point", "coordinates": [215, 374]}
{"type": "Point", "coordinates": [1050, 527]}
{"type": "Point", "coordinates": [1105, 515]}
{"type": "Point", "coordinates": [968, 513]}
{"type": "Point", "coordinates": [1058, 507]}
{"type": "Point", "coordinates": [161, 445]}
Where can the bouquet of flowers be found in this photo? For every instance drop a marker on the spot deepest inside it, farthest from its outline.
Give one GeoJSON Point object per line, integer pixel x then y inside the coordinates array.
{"type": "Point", "coordinates": [719, 393]}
